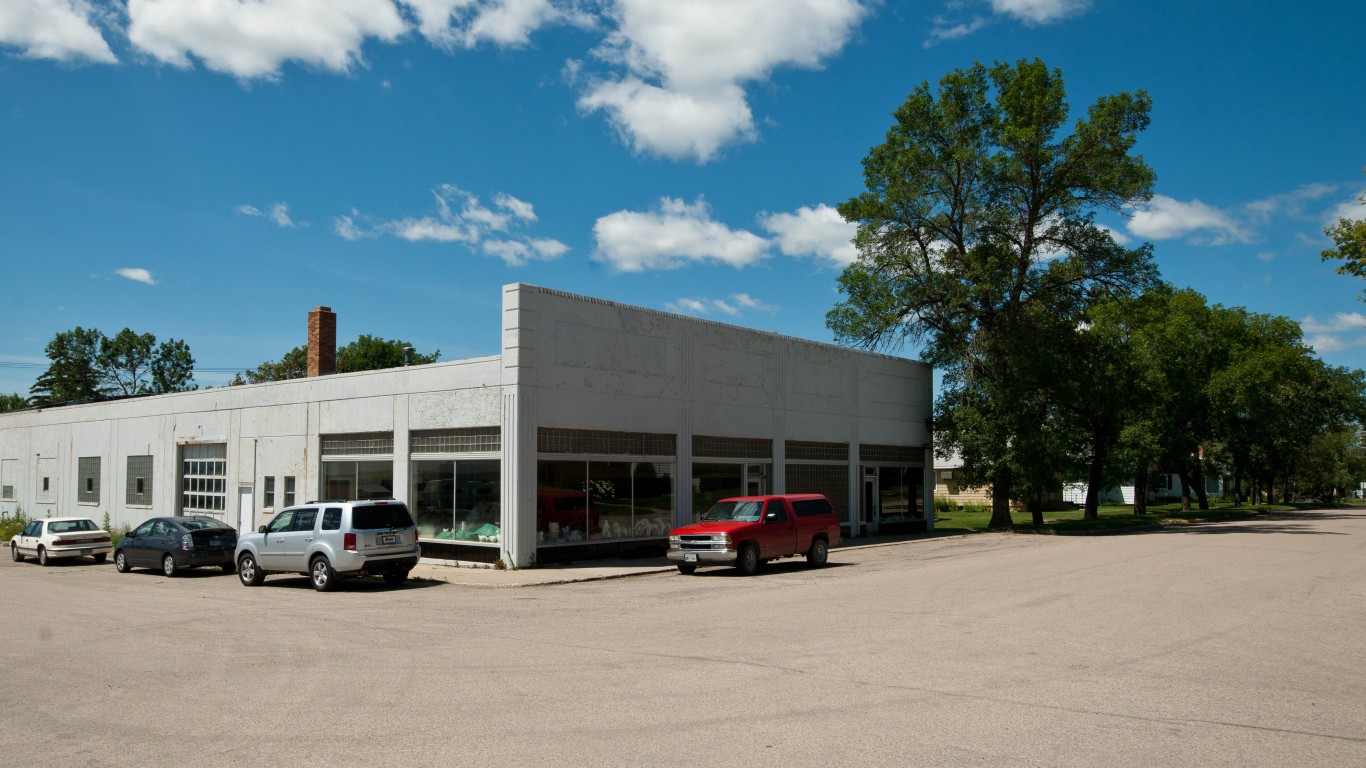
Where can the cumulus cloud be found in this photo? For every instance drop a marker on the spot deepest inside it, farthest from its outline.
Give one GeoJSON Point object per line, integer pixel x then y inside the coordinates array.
{"type": "Point", "coordinates": [678, 87]}
{"type": "Point", "coordinates": [254, 40]}
{"type": "Point", "coordinates": [733, 306]}
{"type": "Point", "coordinates": [820, 232]}
{"type": "Point", "coordinates": [1354, 208]}
{"type": "Point", "coordinates": [674, 235]}
{"type": "Point", "coordinates": [505, 23]}
{"type": "Point", "coordinates": [461, 217]}
{"type": "Point", "coordinates": [60, 30]}
{"type": "Point", "coordinates": [1340, 323]}
{"type": "Point", "coordinates": [136, 274]}
{"type": "Point", "coordinates": [1039, 11]}
{"type": "Point", "coordinates": [1165, 218]}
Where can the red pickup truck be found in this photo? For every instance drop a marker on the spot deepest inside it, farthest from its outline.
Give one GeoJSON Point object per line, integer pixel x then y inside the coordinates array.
{"type": "Point", "coordinates": [749, 530]}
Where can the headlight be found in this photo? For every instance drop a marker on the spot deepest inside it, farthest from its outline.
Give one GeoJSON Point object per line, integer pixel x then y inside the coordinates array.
{"type": "Point", "coordinates": [675, 540]}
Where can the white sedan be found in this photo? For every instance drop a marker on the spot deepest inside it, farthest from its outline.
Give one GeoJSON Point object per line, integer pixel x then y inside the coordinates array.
{"type": "Point", "coordinates": [55, 537]}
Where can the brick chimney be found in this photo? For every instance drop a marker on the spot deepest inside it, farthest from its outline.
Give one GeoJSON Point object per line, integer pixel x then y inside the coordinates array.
{"type": "Point", "coordinates": [322, 342]}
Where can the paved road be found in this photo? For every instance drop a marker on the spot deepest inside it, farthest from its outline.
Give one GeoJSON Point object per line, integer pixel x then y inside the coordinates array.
{"type": "Point", "coordinates": [1237, 644]}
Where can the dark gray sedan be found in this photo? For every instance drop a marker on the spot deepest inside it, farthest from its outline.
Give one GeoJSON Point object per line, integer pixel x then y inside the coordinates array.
{"type": "Point", "coordinates": [171, 544]}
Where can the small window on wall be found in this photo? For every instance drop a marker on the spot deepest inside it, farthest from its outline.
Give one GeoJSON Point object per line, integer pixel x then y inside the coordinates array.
{"type": "Point", "coordinates": [8, 470]}
{"type": "Point", "coordinates": [289, 491]}
{"type": "Point", "coordinates": [138, 488]}
{"type": "Point", "coordinates": [88, 485]}
{"type": "Point", "coordinates": [268, 496]}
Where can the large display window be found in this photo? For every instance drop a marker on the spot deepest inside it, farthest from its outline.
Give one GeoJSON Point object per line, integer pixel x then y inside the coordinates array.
{"type": "Point", "coordinates": [458, 500]}
{"type": "Point", "coordinates": [713, 481]}
{"type": "Point", "coordinates": [347, 480]}
{"type": "Point", "coordinates": [579, 501]}
{"type": "Point", "coordinates": [899, 493]}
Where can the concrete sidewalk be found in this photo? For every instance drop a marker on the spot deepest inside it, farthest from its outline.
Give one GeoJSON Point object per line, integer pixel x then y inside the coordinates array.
{"type": "Point", "coordinates": [598, 570]}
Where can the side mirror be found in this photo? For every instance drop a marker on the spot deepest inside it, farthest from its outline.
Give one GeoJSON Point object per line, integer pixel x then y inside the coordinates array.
{"type": "Point", "coordinates": [261, 529]}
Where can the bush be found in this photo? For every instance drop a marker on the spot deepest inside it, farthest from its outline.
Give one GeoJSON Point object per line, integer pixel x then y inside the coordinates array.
{"type": "Point", "coordinates": [942, 506]}
{"type": "Point", "coordinates": [976, 508]}
{"type": "Point", "coordinates": [11, 526]}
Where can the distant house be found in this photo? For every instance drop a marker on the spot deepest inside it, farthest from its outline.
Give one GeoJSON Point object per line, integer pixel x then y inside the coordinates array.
{"type": "Point", "coordinates": [946, 484]}
{"type": "Point", "coordinates": [1162, 489]}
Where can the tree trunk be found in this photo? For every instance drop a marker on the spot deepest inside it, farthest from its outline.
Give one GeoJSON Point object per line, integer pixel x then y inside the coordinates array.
{"type": "Point", "coordinates": [1036, 508]}
{"type": "Point", "coordinates": [1000, 502]}
{"type": "Point", "coordinates": [1183, 476]}
{"type": "Point", "coordinates": [1237, 488]}
{"type": "Point", "coordinates": [1093, 481]}
{"type": "Point", "coordinates": [1198, 480]}
{"type": "Point", "coordinates": [1141, 492]}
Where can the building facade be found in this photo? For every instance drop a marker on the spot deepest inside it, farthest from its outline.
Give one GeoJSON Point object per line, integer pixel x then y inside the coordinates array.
{"type": "Point", "coordinates": [598, 428]}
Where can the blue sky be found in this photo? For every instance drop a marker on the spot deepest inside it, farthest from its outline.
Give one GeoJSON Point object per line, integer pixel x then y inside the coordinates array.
{"type": "Point", "coordinates": [210, 171]}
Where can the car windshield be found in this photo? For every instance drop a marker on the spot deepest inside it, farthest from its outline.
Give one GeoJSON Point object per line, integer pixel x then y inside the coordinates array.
{"type": "Point", "coordinates": [370, 518]}
{"type": "Point", "coordinates": [200, 524]}
{"type": "Point", "coordinates": [744, 511]}
{"type": "Point", "coordinates": [71, 526]}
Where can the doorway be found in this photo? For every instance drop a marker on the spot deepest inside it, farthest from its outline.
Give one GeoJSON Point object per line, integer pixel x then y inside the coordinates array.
{"type": "Point", "coordinates": [246, 509]}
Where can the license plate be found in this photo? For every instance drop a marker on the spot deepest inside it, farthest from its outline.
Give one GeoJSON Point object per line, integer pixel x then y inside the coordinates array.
{"type": "Point", "coordinates": [85, 551]}
{"type": "Point", "coordinates": [216, 543]}
{"type": "Point", "coordinates": [387, 539]}
{"type": "Point", "coordinates": [690, 558]}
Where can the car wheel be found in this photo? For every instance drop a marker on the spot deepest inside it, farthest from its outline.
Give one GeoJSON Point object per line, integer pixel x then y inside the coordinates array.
{"type": "Point", "coordinates": [228, 567]}
{"type": "Point", "coordinates": [101, 557]}
{"type": "Point", "coordinates": [249, 571]}
{"type": "Point", "coordinates": [121, 562]}
{"type": "Point", "coordinates": [748, 561]}
{"type": "Point", "coordinates": [818, 554]}
{"type": "Point", "coordinates": [42, 556]}
{"type": "Point", "coordinates": [14, 553]}
{"type": "Point", "coordinates": [687, 569]}
{"type": "Point", "coordinates": [320, 571]}
{"type": "Point", "coordinates": [168, 565]}
{"type": "Point", "coordinates": [395, 577]}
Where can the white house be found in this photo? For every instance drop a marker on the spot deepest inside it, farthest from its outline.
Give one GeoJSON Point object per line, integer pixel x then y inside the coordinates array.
{"type": "Point", "coordinates": [598, 428]}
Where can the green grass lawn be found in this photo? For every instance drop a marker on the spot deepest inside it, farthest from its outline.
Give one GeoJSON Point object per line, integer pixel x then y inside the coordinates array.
{"type": "Point", "coordinates": [1111, 516]}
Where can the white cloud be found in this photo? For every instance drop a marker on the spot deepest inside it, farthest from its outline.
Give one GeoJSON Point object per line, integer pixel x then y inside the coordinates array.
{"type": "Point", "coordinates": [61, 30]}
{"type": "Point", "coordinates": [1354, 208]}
{"type": "Point", "coordinates": [136, 274]}
{"type": "Point", "coordinates": [733, 306]}
{"type": "Point", "coordinates": [278, 213]}
{"type": "Point", "coordinates": [505, 23]}
{"type": "Point", "coordinates": [964, 17]}
{"type": "Point", "coordinates": [821, 232]}
{"type": "Point", "coordinates": [675, 235]}
{"type": "Point", "coordinates": [1165, 218]}
{"type": "Point", "coordinates": [251, 40]}
{"type": "Point", "coordinates": [1288, 203]}
{"type": "Point", "coordinates": [1039, 11]}
{"type": "Point", "coordinates": [681, 94]}
{"type": "Point", "coordinates": [462, 218]}
{"type": "Point", "coordinates": [1342, 322]}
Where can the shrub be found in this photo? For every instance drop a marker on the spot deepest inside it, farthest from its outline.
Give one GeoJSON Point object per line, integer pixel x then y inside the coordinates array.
{"type": "Point", "coordinates": [11, 526]}
{"type": "Point", "coordinates": [942, 506]}
{"type": "Point", "coordinates": [976, 508]}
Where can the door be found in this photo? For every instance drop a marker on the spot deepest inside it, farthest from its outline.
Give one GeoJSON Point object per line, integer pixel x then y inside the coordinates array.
{"type": "Point", "coordinates": [271, 550]}
{"type": "Point", "coordinates": [246, 510]}
{"type": "Point", "coordinates": [297, 539]}
{"type": "Point", "coordinates": [779, 537]}
{"type": "Point", "coordinates": [870, 512]}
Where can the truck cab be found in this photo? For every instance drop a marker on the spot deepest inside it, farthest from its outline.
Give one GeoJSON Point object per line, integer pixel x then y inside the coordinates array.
{"type": "Point", "coordinates": [747, 531]}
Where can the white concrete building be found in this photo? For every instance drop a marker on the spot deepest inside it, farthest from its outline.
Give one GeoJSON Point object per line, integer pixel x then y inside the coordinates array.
{"type": "Point", "coordinates": [598, 428]}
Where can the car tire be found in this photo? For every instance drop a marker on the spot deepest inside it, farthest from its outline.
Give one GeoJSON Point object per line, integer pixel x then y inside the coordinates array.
{"type": "Point", "coordinates": [322, 575]}
{"type": "Point", "coordinates": [100, 558]}
{"type": "Point", "coordinates": [42, 556]}
{"type": "Point", "coordinates": [249, 571]}
{"type": "Point", "coordinates": [168, 566]}
{"type": "Point", "coordinates": [395, 577]}
{"type": "Point", "coordinates": [14, 553]}
{"type": "Point", "coordinates": [228, 567]}
{"type": "Point", "coordinates": [748, 560]}
{"type": "Point", "coordinates": [121, 562]}
{"type": "Point", "coordinates": [687, 569]}
{"type": "Point", "coordinates": [818, 554]}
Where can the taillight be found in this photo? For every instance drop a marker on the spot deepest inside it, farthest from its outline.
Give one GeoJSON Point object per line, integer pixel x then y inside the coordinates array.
{"type": "Point", "coordinates": [187, 542]}
{"type": "Point", "coordinates": [349, 542]}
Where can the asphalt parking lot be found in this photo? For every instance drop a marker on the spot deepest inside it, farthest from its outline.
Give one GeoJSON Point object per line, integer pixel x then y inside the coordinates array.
{"type": "Point", "coordinates": [1231, 644]}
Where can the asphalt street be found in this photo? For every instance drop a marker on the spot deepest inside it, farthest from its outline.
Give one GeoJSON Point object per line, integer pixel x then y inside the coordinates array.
{"type": "Point", "coordinates": [1232, 644]}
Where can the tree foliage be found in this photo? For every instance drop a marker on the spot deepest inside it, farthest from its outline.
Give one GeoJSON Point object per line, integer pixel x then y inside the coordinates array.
{"type": "Point", "coordinates": [87, 365]}
{"type": "Point", "coordinates": [12, 402]}
{"type": "Point", "coordinates": [366, 353]}
{"type": "Point", "coordinates": [977, 239]}
{"type": "Point", "coordinates": [1349, 240]}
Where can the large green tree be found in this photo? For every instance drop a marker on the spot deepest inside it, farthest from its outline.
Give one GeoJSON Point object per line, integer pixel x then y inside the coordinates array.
{"type": "Point", "coordinates": [976, 222]}
{"type": "Point", "coordinates": [1349, 241]}
{"type": "Point", "coordinates": [86, 365]}
{"type": "Point", "coordinates": [12, 402]}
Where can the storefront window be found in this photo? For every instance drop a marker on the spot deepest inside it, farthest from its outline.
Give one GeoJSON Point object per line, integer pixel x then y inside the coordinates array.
{"type": "Point", "coordinates": [712, 482]}
{"type": "Point", "coordinates": [899, 492]}
{"type": "Point", "coordinates": [595, 500]}
{"type": "Point", "coordinates": [458, 500]}
{"type": "Point", "coordinates": [346, 480]}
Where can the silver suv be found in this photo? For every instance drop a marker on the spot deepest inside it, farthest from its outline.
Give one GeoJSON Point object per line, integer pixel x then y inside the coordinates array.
{"type": "Point", "coordinates": [331, 540]}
